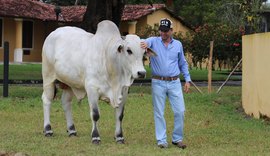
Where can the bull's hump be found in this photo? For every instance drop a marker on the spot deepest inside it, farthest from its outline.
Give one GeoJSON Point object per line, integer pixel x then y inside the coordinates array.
{"type": "Point", "coordinates": [107, 27]}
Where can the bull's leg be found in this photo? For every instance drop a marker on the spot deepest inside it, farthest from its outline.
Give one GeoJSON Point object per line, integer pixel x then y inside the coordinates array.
{"type": "Point", "coordinates": [94, 114]}
{"type": "Point", "coordinates": [119, 114]}
{"type": "Point", "coordinates": [47, 97]}
{"type": "Point", "coordinates": [95, 117]}
{"type": "Point", "coordinates": [66, 103]}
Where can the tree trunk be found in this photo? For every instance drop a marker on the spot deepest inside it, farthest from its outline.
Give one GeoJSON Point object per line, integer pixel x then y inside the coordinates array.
{"type": "Point", "coordinates": [99, 10]}
{"type": "Point", "coordinates": [117, 11]}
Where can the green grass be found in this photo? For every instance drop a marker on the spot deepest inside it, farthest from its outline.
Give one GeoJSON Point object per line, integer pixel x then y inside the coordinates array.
{"type": "Point", "coordinates": [33, 72]}
{"type": "Point", "coordinates": [214, 125]}
{"type": "Point", "coordinates": [198, 75]}
{"type": "Point", "coordinates": [23, 71]}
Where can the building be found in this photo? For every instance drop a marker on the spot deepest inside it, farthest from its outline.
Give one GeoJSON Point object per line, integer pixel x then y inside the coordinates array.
{"type": "Point", "coordinates": [137, 17]}
{"type": "Point", "coordinates": [26, 23]}
{"type": "Point", "coordinates": [265, 14]}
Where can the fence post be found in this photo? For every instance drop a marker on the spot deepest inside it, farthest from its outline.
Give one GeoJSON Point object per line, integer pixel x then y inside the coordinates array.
{"type": "Point", "coordinates": [210, 67]}
{"type": "Point", "coordinates": [6, 66]}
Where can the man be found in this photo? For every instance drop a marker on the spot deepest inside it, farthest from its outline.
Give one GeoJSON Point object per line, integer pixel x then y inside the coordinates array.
{"type": "Point", "coordinates": [166, 67]}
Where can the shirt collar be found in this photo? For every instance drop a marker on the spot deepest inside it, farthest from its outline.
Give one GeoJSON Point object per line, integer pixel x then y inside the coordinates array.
{"type": "Point", "coordinates": [172, 39]}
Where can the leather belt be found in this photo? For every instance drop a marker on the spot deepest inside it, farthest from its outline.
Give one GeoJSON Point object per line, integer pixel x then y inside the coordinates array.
{"type": "Point", "coordinates": [165, 78]}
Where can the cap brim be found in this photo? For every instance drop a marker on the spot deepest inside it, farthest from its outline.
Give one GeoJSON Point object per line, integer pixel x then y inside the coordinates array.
{"type": "Point", "coordinates": [164, 28]}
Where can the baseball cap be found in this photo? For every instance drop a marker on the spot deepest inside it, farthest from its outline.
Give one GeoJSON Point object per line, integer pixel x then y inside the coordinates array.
{"type": "Point", "coordinates": [165, 24]}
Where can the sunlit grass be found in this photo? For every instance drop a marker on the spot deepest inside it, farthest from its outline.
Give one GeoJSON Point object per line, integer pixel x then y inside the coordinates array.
{"type": "Point", "coordinates": [213, 126]}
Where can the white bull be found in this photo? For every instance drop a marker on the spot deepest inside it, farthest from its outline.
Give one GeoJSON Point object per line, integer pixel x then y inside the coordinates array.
{"type": "Point", "coordinates": [102, 66]}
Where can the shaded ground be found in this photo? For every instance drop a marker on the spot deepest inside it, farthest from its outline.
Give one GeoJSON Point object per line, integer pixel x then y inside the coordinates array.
{"type": "Point", "coordinates": [2, 153]}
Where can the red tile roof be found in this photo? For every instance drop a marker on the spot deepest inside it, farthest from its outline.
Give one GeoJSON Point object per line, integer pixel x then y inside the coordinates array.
{"type": "Point", "coordinates": [27, 9]}
{"type": "Point", "coordinates": [134, 12]}
{"type": "Point", "coordinates": [72, 13]}
{"type": "Point", "coordinates": [35, 9]}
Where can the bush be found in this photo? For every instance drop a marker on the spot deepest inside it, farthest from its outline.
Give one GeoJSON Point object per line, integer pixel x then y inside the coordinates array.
{"type": "Point", "coordinates": [227, 43]}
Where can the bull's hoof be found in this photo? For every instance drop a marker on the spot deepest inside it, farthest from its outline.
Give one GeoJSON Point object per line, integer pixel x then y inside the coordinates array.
{"type": "Point", "coordinates": [72, 131]}
{"type": "Point", "coordinates": [48, 134]}
{"type": "Point", "coordinates": [120, 140]}
{"type": "Point", "coordinates": [48, 131]}
{"type": "Point", "coordinates": [96, 141]}
{"type": "Point", "coordinates": [72, 134]}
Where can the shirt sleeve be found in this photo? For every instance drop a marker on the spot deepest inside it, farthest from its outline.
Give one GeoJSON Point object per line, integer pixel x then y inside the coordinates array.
{"type": "Point", "coordinates": [183, 65]}
{"type": "Point", "coordinates": [149, 42]}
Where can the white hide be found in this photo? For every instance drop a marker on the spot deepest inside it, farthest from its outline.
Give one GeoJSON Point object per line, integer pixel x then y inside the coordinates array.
{"type": "Point", "coordinates": [92, 63]}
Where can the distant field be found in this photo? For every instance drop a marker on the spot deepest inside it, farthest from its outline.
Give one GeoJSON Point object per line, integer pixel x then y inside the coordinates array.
{"type": "Point", "coordinates": [33, 72]}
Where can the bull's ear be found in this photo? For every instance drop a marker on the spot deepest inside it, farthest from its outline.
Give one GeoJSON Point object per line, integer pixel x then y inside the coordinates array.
{"type": "Point", "coordinates": [120, 48]}
{"type": "Point", "coordinates": [150, 52]}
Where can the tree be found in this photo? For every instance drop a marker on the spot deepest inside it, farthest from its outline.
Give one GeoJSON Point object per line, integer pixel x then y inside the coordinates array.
{"type": "Point", "coordinates": [98, 10]}
{"type": "Point", "coordinates": [199, 12]}
{"type": "Point", "coordinates": [242, 12]}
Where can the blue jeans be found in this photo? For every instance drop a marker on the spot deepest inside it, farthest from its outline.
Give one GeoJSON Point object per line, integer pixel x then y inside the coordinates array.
{"type": "Point", "coordinates": [160, 91]}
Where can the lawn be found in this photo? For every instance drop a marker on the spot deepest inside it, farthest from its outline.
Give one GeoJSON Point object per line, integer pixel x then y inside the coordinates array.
{"type": "Point", "coordinates": [214, 125]}
{"type": "Point", "coordinates": [23, 71]}
{"type": "Point", "coordinates": [33, 72]}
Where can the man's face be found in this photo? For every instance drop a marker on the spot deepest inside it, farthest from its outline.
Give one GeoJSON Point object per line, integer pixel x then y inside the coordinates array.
{"type": "Point", "coordinates": [165, 35]}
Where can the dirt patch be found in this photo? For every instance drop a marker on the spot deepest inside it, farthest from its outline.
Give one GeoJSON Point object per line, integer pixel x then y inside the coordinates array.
{"type": "Point", "coordinates": [2, 153]}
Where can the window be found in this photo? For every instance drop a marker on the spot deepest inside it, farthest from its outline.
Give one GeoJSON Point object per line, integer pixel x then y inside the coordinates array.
{"type": "Point", "coordinates": [27, 37]}
{"type": "Point", "coordinates": [1, 32]}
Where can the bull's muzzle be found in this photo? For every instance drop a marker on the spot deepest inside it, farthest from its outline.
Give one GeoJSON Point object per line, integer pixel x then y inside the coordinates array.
{"type": "Point", "coordinates": [141, 74]}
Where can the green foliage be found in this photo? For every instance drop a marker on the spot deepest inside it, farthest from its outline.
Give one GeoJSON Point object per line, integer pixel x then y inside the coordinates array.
{"type": "Point", "coordinates": [243, 13]}
{"type": "Point", "coordinates": [227, 43]}
{"type": "Point", "coordinates": [252, 18]}
{"type": "Point", "coordinates": [236, 13]}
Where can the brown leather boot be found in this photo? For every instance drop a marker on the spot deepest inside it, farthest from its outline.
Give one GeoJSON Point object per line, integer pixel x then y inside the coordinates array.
{"type": "Point", "coordinates": [180, 144]}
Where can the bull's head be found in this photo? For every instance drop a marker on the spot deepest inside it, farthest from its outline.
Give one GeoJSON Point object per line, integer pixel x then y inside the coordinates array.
{"type": "Point", "coordinates": [133, 56]}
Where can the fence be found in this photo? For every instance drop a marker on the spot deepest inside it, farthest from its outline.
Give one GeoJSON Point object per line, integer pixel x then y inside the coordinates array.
{"type": "Point", "coordinates": [256, 74]}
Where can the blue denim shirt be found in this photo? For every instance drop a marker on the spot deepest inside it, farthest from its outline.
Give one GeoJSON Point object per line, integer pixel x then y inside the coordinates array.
{"type": "Point", "coordinates": [170, 60]}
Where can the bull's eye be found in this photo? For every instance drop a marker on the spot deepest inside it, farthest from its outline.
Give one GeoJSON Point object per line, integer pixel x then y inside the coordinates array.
{"type": "Point", "coordinates": [129, 51]}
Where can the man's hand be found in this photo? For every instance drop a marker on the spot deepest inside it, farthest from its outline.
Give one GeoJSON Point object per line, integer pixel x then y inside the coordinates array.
{"type": "Point", "coordinates": [144, 45]}
{"type": "Point", "coordinates": [186, 87]}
